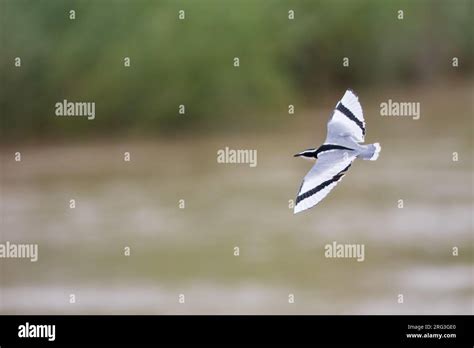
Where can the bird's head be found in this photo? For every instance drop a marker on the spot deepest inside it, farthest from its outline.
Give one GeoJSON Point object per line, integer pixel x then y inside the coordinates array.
{"type": "Point", "coordinates": [310, 154]}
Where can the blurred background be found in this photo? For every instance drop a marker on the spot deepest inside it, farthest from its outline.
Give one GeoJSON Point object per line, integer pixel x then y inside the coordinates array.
{"type": "Point", "coordinates": [191, 62]}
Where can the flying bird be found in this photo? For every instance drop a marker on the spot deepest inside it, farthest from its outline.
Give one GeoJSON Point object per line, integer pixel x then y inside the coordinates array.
{"type": "Point", "coordinates": [343, 144]}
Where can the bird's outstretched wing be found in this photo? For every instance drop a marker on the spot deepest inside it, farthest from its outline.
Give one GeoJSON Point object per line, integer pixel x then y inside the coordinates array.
{"type": "Point", "coordinates": [347, 120]}
{"type": "Point", "coordinates": [323, 177]}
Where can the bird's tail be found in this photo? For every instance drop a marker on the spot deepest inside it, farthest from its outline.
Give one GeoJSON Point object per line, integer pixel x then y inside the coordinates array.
{"type": "Point", "coordinates": [371, 152]}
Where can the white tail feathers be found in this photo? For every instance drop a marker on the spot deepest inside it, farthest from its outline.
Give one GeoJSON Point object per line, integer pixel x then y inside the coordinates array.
{"type": "Point", "coordinates": [376, 152]}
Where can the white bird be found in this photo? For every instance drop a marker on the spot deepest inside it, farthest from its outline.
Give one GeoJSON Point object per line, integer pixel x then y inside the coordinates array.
{"type": "Point", "coordinates": [346, 132]}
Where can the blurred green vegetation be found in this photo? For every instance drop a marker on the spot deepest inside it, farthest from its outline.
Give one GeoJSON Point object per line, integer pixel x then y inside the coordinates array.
{"type": "Point", "coordinates": [190, 61]}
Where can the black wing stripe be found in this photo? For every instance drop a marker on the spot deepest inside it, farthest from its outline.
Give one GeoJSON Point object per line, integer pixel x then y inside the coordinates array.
{"type": "Point", "coordinates": [350, 116]}
{"type": "Point", "coordinates": [321, 186]}
{"type": "Point", "coordinates": [328, 147]}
